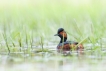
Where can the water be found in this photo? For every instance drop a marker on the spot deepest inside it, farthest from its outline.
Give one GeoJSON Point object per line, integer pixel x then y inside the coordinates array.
{"type": "Point", "coordinates": [53, 61]}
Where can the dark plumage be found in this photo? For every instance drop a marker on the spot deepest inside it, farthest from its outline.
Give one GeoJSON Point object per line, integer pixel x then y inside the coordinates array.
{"type": "Point", "coordinates": [65, 45]}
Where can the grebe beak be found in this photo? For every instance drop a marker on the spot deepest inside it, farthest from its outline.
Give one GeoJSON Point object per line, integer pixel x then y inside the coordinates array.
{"type": "Point", "coordinates": [56, 34]}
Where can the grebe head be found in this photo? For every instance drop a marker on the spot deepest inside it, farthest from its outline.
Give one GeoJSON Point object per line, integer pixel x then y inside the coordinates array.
{"type": "Point", "coordinates": [62, 34]}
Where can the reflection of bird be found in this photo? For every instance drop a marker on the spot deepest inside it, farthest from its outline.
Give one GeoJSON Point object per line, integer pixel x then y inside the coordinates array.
{"type": "Point", "coordinates": [65, 45]}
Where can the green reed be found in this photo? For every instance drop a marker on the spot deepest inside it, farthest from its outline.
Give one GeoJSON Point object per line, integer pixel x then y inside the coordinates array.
{"type": "Point", "coordinates": [80, 20]}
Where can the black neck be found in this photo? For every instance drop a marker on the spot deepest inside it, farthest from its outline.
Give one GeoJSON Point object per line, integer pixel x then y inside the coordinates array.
{"type": "Point", "coordinates": [63, 39]}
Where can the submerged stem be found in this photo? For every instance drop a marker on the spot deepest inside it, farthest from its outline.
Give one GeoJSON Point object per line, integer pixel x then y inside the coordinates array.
{"type": "Point", "coordinates": [20, 42]}
{"type": "Point", "coordinates": [42, 44]}
{"type": "Point", "coordinates": [5, 38]}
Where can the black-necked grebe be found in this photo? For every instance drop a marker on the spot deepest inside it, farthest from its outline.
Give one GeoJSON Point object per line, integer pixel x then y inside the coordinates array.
{"type": "Point", "coordinates": [65, 45]}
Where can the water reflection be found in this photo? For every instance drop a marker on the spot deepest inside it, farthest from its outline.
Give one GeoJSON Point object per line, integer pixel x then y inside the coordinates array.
{"type": "Point", "coordinates": [47, 61]}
